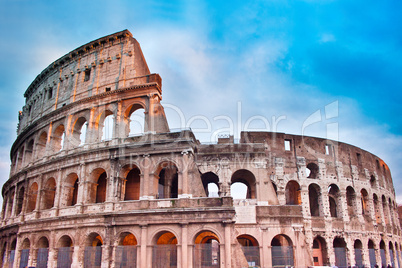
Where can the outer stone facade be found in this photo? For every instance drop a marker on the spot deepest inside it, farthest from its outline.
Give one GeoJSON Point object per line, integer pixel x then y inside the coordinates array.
{"type": "Point", "coordinates": [79, 198]}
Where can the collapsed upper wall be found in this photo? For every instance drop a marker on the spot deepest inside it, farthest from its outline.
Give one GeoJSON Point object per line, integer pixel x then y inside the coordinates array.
{"type": "Point", "coordinates": [105, 64]}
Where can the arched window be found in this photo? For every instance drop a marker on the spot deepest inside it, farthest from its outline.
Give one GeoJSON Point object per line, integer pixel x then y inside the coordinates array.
{"type": "Point", "coordinates": [319, 251]}
{"type": "Point", "coordinates": [132, 189]}
{"type": "Point", "coordinates": [58, 139]}
{"type": "Point", "coordinates": [71, 190]}
{"type": "Point", "coordinates": [135, 120]}
{"type": "Point", "coordinates": [97, 192]}
{"type": "Point", "coordinates": [24, 255]}
{"type": "Point", "coordinates": [41, 145]}
{"type": "Point", "coordinates": [314, 193]}
{"type": "Point", "coordinates": [126, 251]}
{"type": "Point", "coordinates": [42, 253]}
{"type": "Point", "coordinates": [251, 249]}
{"type": "Point", "coordinates": [312, 171]}
{"type": "Point", "coordinates": [385, 209]}
{"type": "Point", "coordinates": [20, 201]}
{"type": "Point", "coordinates": [164, 253]}
{"type": "Point", "coordinates": [351, 200]}
{"type": "Point", "coordinates": [292, 193]}
{"type": "Point", "coordinates": [29, 151]}
{"type": "Point", "coordinates": [358, 253]}
{"type": "Point", "coordinates": [20, 158]}
{"type": "Point", "coordinates": [107, 130]}
{"type": "Point", "coordinates": [383, 254]}
{"type": "Point", "coordinates": [206, 250]}
{"type": "Point", "coordinates": [32, 196]}
{"type": "Point", "coordinates": [282, 251]}
{"type": "Point", "coordinates": [373, 182]}
{"type": "Point", "coordinates": [391, 254]}
{"type": "Point", "coordinates": [340, 252]}
{"type": "Point", "coordinates": [48, 194]}
{"type": "Point", "coordinates": [79, 131]}
{"type": "Point", "coordinates": [167, 180]}
{"type": "Point", "coordinates": [210, 182]}
{"type": "Point", "coordinates": [333, 198]}
{"type": "Point", "coordinates": [93, 251]}
{"type": "Point", "coordinates": [365, 204]}
{"type": "Point", "coordinates": [246, 178]}
{"type": "Point", "coordinates": [372, 257]}
{"type": "Point", "coordinates": [65, 250]}
{"type": "Point", "coordinates": [10, 202]}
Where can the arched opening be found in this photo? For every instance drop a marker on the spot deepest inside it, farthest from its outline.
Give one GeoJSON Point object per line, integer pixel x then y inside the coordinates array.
{"type": "Point", "coordinates": [340, 252]}
{"type": "Point", "coordinates": [71, 190]}
{"type": "Point", "coordinates": [79, 131]}
{"type": "Point", "coordinates": [135, 115]}
{"type": "Point", "coordinates": [20, 158]}
{"type": "Point", "coordinates": [29, 151]}
{"type": "Point", "coordinates": [373, 182]}
{"type": "Point", "coordinates": [11, 254]}
{"type": "Point", "coordinates": [383, 254]}
{"type": "Point", "coordinates": [20, 201]}
{"type": "Point", "coordinates": [24, 257]}
{"type": "Point", "coordinates": [126, 251]}
{"type": "Point", "coordinates": [351, 200]}
{"type": "Point", "coordinates": [391, 209]}
{"type": "Point", "coordinates": [48, 194]}
{"type": "Point", "coordinates": [58, 139]}
{"type": "Point", "coordinates": [164, 252]}
{"type": "Point", "coordinates": [97, 187]}
{"type": "Point", "coordinates": [358, 253]}
{"type": "Point", "coordinates": [42, 253]}
{"type": "Point", "coordinates": [333, 198]}
{"type": "Point", "coordinates": [210, 181]}
{"type": "Point", "coordinates": [93, 251]}
{"type": "Point", "coordinates": [167, 180]}
{"type": "Point", "coordinates": [385, 209]}
{"type": "Point", "coordinates": [320, 256]}
{"type": "Point", "coordinates": [246, 178]}
{"type": "Point", "coordinates": [105, 124]}
{"type": "Point", "coordinates": [10, 202]}
{"type": "Point", "coordinates": [377, 209]}
{"type": "Point", "coordinates": [65, 250]}
{"type": "Point", "coordinates": [41, 145]}
{"type": "Point", "coordinates": [365, 204]}
{"type": "Point", "coordinates": [3, 255]}
{"type": "Point", "coordinates": [251, 249]}
{"type": "Point", "coordinates": [282, 251]}
{"type": "Point", "coordinates": [206, 250]}
{"type": "Point", "coordinates": [372, 257]}
{"type": "Point", "coordinates": [133, 181]}
{"type": "Point", "coordinates": [314, 193]}
{"type": "Point", "coordinates": [292, 193]}
{"type": "Point", "coordinates": [391, 254]}
{"type": "Point", "coordinates": [32, 196]}
{"type": "Point", "coordinates": [312, 171]}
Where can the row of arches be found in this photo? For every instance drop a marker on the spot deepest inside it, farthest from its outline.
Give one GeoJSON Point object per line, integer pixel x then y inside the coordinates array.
{"type": "Point", "coordinates": [206, 251]}
{"type": "Point", "coordinates": [85, 127]}
{"type": "Point", "coordinates": [377, 254]}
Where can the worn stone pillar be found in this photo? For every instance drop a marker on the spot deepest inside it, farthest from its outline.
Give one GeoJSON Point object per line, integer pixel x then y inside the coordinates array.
{"type": "Point", "coordinates": [184, 246]}
{"type": "Point", "coordinates": [228, 245]}
{"type": "Point", "coordinates": [143, 247]}
{"type": "Point", "coordinates": [76, 256]}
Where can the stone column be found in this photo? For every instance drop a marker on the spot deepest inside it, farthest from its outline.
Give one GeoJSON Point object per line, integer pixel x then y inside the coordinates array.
{"type": "Point", "coordinates": [265, 252]}
{"type": "Point", "coordinates": [76, 256]}
{"type": "Point", "coordinates": [342, 206]}
{"type": "Point", "coordinates": [143, 247]}
{"type": "Point", "coordinates": [184, 246]}
{"type": "Point", "coordinates": [228, 244]}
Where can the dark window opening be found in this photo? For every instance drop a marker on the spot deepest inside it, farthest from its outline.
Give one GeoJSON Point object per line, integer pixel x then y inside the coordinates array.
{"type": "Point", "coordinates": [359, 159]}
{"type": "Point", "coordinates": [107, 89]}
{"type": "Point", "coordinates": [87, 75]}
{"type": "Point", "coordinates": [49, 93]}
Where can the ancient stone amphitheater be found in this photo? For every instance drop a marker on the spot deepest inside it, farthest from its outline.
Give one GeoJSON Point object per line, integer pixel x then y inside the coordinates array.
{"type": "Point", "coordinates": [86, 191]}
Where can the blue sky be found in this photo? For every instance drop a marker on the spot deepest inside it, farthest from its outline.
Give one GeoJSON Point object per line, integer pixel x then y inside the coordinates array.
{"type": "Point", "coordinates": [278, 61]}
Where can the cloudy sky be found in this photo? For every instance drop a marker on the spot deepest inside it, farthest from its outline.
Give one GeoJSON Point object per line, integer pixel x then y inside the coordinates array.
{"type": "Point", "coordinates": [321, 68]}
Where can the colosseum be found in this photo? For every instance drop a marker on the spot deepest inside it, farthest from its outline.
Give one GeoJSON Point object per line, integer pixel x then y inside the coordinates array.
{"type": "Point", "coordinates": [87, 190]}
